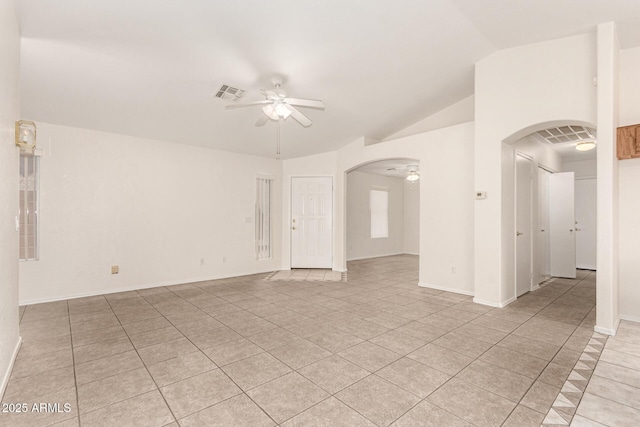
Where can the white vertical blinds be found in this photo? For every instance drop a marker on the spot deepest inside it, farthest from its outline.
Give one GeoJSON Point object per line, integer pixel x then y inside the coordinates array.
{"type": "Point", "coordinates": [263, 218]}
{"type": "Point", "coordinates": [379, 208]}
{"type": "Point", "coordinates": [28, 215]}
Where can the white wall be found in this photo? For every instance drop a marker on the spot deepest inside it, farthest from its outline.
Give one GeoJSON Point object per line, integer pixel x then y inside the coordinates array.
{"type": "Point", "coordinates": [516, 93]}
{"type": "Point", "coordinates": [446, 200]}
{"type": "Point", "coordinates": [460, 112]}
{"type": "Point", "coordinates": [412, 217]}
{"type": "Point", "coordinates": [9, 171]}
{"type": "Point", "coordinates": [629, 182]}
{"type": "Point", "coordinates": [581, 168]}
{"type": "Point", "coordinates": [360, 245]}
{"type": "Point", "coordinates": [153, 208]}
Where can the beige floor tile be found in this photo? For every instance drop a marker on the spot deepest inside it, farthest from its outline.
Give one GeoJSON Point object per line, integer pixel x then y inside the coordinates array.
{"type": "Point", "coordinates": [104, 392]}
{"type": "Point", "coordinates": [497, 380]}
{"type": "Point", "coordinates": [107, 366]}
{"type": "Point", "coordinates": [196, 393]}
{"type": "Point", "coordinates": [369, 356]}
{"type": "Point", "coordinates": [101, 349]}
{"type": "Point", "coordinates": [481, 333]}
{"type": "Point", "coordinates": [613, 390]}
{"type": "Point", "coordinates": [299, 353]}
{"type": "Point", "coordinates": [273, 338]}
{"type": "Point", "coordinates": [607, 412]}
{"type": "Point", "coordinates": [30, 388]}
{"type": "Point", "coordinates": [555, 374]}
{"type": "Point", "coordinates": [463, 344]}
{"type": "Point", "coordinates": [529, 347]}
{"type": "Point", "coordinates": [335, 341]}
{"type": "Point", "coordinates": [27, 366]}
{"type": "Point", "coordinates": [473, 404]}
{"type": "Point", "coordinates": [333, 373]}
{"type": "Point", "coordinates": [618, 373]}
{"type": "Point", "coordinates": [580, 421]}
{"type": "Point", "coordinates": [440, 358]}
{"type": "Point", "coordinates": [540, 397]}
{"type": "Point", "coordinates": [256, 370]}
{"type": "Point", "coordinates": [154, 337]}
{"type": "Point", "coordinates": [329, 412]}
{"type": "Point", "coordinates": [44, 346]}
{"type": "Point", "coordinates": [148, 409]}
{"type": "Point", "coordinates": [98, 335]}
{"type": "Point", "coordinates": [146, 325]}
{"type": "Point", "coordinates": [517, 362]}
{"type": "Point", "coordinates": [422, 331]}
{"type": "Point", "coordinates": [66, 409]}
{"type": "Point", "coordinates": [166, 350]}
{"type": "Point", "coordinates": [287, 396]}
{"type": "Point", "coordinates": [413, 376]}
{"type": "Point", "coordinates": [378, 400]}
{"type": "Point", "coordinates": [398, 342]}
{"type": "Point", "coordinates": [524, 417]}
{"type": "Point", "coordinates": [213, 337]}
{"type": "Point", "coordinates": [237, 411]}
{"type": "Point", "coordinates": [428, 415]}
{"type": "Point", "coordinates": [232, 351]}
{"type": "Point", "coordinates": [182, 367]}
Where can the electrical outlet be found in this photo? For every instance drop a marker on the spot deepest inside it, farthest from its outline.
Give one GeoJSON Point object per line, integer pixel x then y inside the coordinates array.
{"type": "Point", "coordinates": [115, 269]}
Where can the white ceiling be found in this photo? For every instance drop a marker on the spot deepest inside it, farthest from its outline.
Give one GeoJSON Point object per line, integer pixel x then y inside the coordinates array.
{"type": "Point", "coordinates": [151, 68]}
{"type": "Point", "coordinates": [396, 168]}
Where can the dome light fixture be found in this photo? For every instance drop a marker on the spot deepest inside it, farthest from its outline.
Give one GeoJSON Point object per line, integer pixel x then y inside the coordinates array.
{"type": "Point", "coordinates": [586, 146]}
{"type": "Point", "coordinates": [413, 174]}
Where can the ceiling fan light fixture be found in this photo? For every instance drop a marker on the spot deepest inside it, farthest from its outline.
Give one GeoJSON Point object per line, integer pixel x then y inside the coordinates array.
{"type": "Point", "coordinates": [270, 111]}
{"type": "Point", "coordinates": [282, 110]}
{"type": "Point", "coordinates": [413, 174]}
{"type": "Point", "coordinates": [586, 146]}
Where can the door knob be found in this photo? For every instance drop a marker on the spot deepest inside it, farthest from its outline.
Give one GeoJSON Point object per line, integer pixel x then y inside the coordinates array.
{"type": "Point", "coordinates": [293, 228]}
{"type": "Point", "coordinates": [578, 229]}
{"type": "Point", "coordinates": [519, 233]}
{"type": "Point", "coordinates": [571, 230]}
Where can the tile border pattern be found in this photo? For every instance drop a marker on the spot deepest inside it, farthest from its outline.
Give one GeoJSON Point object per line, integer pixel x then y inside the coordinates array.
{"type": "Point", "coordinates": [564, 407]}
{"type": "Point", "coordinates": [330, 276]}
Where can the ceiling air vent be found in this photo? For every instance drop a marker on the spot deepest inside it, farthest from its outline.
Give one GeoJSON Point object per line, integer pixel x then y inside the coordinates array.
{"type": "Point", "coordinates": [229, 93]}
{"type": "Point", "coordinates": [567, 134]}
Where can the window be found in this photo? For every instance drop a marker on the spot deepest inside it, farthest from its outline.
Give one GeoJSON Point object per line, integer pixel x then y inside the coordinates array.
{"type": "Point", "coordinates": [263, 218]}
{"type": "Point", "coordinates": [28, 215]}
{"type": "Point", "coordinates": [379, 207]}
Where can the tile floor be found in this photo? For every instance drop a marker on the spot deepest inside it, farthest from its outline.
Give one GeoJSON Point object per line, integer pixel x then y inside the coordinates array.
{"type": "Point", "coordinates": [377, 350]}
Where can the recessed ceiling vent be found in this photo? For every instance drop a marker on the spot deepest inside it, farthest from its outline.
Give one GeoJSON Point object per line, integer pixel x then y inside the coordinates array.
{"type": "Point", "coordinates": [229, 93]}
{"type": "Point", "coordinates": [567, 134]}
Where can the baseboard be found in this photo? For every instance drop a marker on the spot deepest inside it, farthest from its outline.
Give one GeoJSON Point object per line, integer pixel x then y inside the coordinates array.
{"type": "Point", "coordinates": [535, 288]}
{"type": "Point", "coordinates": [376, 256]}
{"type": "Point", "coordinates": [494, 304]}
{"type": "Point", "coordinates": [135, 288]}
{"type": "Point", "coordinates": [607, 331]}
{"type": "Point", "coordinates": [7, 374]}
{"type": "Point", "coordinates": [445, 288]}
{"type": "Point", "coordinates": [630, 318]}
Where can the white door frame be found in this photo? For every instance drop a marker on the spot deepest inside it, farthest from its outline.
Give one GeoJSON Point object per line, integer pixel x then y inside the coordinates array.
{"type": "Point", "coordinates": [528, 231]}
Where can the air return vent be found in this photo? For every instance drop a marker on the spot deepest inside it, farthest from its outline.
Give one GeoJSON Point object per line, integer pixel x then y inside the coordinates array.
{"type": "Point", "coordinates": [567, 134]}
{"type": "Point", "coordinates": [229, 93]}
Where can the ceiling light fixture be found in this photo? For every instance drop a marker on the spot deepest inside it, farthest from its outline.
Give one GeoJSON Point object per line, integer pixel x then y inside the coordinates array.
{"type": "Point", "coordinates": [413, 174]}
{"type": "Point", "coordinates": [586, 146]}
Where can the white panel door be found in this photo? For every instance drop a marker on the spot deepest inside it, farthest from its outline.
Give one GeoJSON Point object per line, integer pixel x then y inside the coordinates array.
{"type": "Point", "coordinates": [524, 227]}
{"type": "Point", "coordinates": [586, 223]}
{"type": "Point", "coordinates": [562, 225]}
{"type": "Point", "coordinates": [311, 222]}
{"type": "Point", "coordinates": [543, 224]}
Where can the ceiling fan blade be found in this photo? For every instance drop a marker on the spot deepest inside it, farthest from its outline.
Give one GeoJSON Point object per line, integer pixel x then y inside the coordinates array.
{"type": "Point", "coordinates": [248, 104]}
{"type": "Point", "coordinates": [308, 103]}
{"type": "Point", "coordinates": [299, 117]}
{"type": "Point", "coordinates": [262, 120]}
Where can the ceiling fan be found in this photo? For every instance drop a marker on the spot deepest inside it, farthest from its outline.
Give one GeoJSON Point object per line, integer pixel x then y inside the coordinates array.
{"type": "Point", "coordinates": [278, 106]}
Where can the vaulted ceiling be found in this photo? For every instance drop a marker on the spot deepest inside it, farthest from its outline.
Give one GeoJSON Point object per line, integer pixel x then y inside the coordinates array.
{"type": "Point", "coordinates": [151, 68]}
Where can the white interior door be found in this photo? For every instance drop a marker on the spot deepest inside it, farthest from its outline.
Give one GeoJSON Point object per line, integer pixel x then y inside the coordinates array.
{"type": "Point", "coordinates": [311, 222]}
{"type": "Point", "coordinates": [562, 225]}
{"type": "Point", "coordinates": [586, 223]}
{"type": "Point", "coordinates": [523, 225]}
{"type": "Point", "coordinates": [543, 224]}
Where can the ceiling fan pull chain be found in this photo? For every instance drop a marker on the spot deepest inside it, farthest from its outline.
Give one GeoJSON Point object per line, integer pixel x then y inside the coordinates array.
{"type": "Point", "coordinates": [278, 141]}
